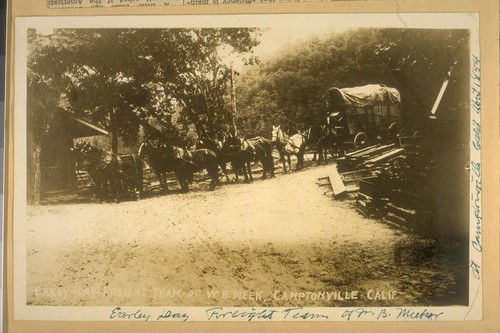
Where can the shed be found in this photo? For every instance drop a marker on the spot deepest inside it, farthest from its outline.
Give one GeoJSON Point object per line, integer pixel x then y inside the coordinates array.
{"type": "Point", "coordinates": [56, 161]}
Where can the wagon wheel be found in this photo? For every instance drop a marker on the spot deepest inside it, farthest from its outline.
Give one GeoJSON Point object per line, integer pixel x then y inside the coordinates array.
{"type": "Point", "coordinates": [396, 131]}
{"type": "Point", "coordinates": [360, 139]}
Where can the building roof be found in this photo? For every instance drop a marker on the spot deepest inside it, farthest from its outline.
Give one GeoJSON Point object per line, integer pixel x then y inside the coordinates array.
{"type": "Point", "coordinates": [84, 128]}
{"type": "Point", "coordinates": [74, 126]}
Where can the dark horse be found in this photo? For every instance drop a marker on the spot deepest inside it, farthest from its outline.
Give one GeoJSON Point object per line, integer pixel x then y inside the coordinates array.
{"type": "Point", "coordinates": [287, 146]}
{"type": "Point", "coordinates": [242, 152]}
{"type": "Point", "coordinates": [323, 140]}
{"type": "Point", "coordinates": [187, 162]}
{"type": "Point", "coordinates": [164, 158]}
{"type": "Point", "coordinates": [122, 172]}
{"type": "Point", "coordinates": [216, 147]}
{"type": "Point", "coordinates": [158, 160]}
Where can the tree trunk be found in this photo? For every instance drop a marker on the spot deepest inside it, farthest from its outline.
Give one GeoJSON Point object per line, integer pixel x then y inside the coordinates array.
{"type": "Point", "coordinates": [233, 100]}
{"type": "Point", "coordinates": [34, 176]}
{"type": "Point", "coordinates": [114, 141]}
{"type": "Point", "coordinates": [114, 133]}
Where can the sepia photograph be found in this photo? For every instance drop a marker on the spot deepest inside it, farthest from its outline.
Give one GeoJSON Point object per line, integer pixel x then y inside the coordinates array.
{"type": "Point", "coordinates": [253, 167]}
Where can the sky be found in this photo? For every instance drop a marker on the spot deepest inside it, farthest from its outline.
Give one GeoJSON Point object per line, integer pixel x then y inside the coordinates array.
{"type": "Point", "coordinates": [279, 38]}
{"type": "Point", "coordinates": [274, 40]}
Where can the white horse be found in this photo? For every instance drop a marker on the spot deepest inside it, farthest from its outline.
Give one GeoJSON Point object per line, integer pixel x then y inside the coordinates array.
{"type": "Point", "coordinates": [287, 146]}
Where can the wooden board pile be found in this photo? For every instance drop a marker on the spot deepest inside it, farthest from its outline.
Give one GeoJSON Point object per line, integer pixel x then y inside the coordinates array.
{"type": "Point", "coordinates": [368, 157]}
{"type": "Point", "coordinates": [359, 172]}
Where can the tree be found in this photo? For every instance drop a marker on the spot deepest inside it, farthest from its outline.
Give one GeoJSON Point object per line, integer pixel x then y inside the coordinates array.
{"type": "Point", "coordinates": [420, 61]}
{"type": "Point", "coordinates": [48, 59]}
{"type": "Point", "coordinates": [203, 89]}
{"type": "Point", "coordinates": [297, 80]}
{"type": "Point", "coordinates": [156, 71]}
{"type": "Point", "coordinates": [124, 79]}
{"type": "Point", "coordinates": [121, 80]}
{"type": "Point", "coordinates": [290, 89]}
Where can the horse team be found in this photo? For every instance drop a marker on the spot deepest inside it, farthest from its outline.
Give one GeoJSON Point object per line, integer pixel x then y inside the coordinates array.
{"type": "Point", "coordinates": [123, 172]}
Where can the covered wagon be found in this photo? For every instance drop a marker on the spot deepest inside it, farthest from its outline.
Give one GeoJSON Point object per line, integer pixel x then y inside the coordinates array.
{"type": "Point", "coordinates": [366, 113]}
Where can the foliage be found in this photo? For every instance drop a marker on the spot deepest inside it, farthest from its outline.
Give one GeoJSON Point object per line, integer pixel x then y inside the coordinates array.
{"type": "Point", "coordinates": [421, 60]}
{"type": "Point", "coordinates": [290, 89]}
{"type": "Point", "coordinates": [47, 62]}
{"type": "Point", "coordinates": [203, 90]}
{"type": "Point", "coordinates": [154, 81]}
{"type": "Point", "coordinates": [175, 78]}
{"type": "Point", "coordinates": [123, 78]}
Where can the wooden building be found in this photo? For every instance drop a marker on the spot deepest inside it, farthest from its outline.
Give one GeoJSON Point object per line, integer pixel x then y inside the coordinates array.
{"type": "Point", "coordinates": [57, 159]}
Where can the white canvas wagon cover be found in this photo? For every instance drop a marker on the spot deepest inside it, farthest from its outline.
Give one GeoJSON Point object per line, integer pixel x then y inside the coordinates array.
{"type": "Point", "coordinates": [371, 94]}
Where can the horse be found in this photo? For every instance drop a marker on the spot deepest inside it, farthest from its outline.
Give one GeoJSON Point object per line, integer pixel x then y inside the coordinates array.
{"type": "Point", "coordinates": [156, 157]}
{"type": "Point", "coordinates": [323, 140]}
{"type": "Point", "coordinates": [186, 162]}
{"type": "Point", "coordinates": [287, 146]}
{"type": "Point", "coordinates": [123, 172]}
{"type": "Point", "coordinates": [242, 152]}
{"type": "Point", "coordinates": [216, 147]}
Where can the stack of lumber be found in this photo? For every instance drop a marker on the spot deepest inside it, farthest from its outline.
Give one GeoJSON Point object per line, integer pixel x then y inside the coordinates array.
{"type": "Point", "coordinates": [360, 170]}
{"type": "Point", "coordinates": [368, 157]}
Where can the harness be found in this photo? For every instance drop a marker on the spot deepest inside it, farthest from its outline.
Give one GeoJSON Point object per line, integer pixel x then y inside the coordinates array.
{"type": "Point", "coordinates": [179, 153]}
{"type": "Point", "coordinates": [246, 144]}
{"type": "Point", "coordinates": [284, 139]}
{"type": "Point", "coordinates": [100, 160]}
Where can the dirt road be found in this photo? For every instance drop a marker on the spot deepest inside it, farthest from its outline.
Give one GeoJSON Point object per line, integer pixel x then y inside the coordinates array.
{"type": "Point", "coordinates": [274, 242]}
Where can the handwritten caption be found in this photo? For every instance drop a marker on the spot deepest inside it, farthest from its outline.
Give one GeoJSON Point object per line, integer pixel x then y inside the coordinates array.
{"type": "Point", "coordinates": [217, 314]}
{"type": "Point", "coordinates": [279, 314]}
{"type": "Point", "coordinates": [475, 167]}
{"type": "Point", "coordinates": [390, 314]}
